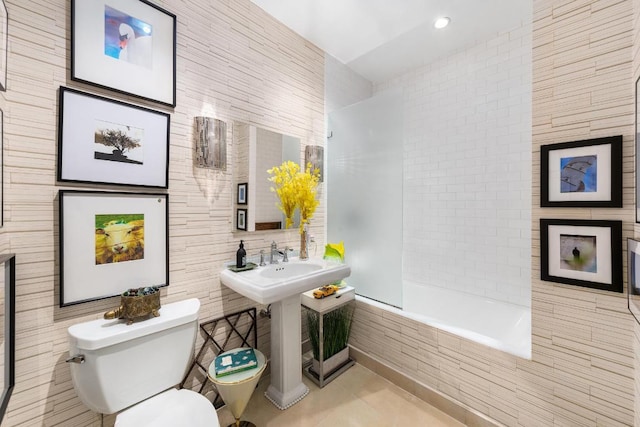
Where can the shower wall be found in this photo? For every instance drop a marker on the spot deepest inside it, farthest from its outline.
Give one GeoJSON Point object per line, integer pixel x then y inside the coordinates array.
{"type": "Point", "coordinates": [364, 200]}
{"type": "Point", "coordinates": [467, 169]}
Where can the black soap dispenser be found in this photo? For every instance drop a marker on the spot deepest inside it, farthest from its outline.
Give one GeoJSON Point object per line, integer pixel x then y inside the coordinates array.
{"type": "Point", "coordinates": [241, 256]}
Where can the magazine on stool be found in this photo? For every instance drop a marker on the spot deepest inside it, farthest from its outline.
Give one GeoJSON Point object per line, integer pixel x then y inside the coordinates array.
{"type": "Point", "coordinates": [235, 361]}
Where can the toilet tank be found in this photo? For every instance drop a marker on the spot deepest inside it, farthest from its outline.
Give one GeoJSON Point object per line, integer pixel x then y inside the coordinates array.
{"type": "Point", "coordinates": [126, 364]}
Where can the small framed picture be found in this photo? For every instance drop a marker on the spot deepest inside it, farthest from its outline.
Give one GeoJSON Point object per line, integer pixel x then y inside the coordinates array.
{"type": "Point", "coordinates": [125, 45]}
{"type": "Point", "coordinates": [241, 219]}
{"type": "Point", "coordinates": [582, 173]}
{"type": "Point", "coordinates": [633, 273]}
{"type": "Point", "coordinates": [582, 253]}
{"type": "Point", "coordinates": [105, 141]}
{"type": "Point", "coordinates": [110, 242]}
{"type": "Point", "coordinates": [242, 193]}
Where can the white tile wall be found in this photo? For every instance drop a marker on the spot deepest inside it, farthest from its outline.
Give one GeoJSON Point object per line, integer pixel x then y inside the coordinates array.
{"type": "Point", "coordinates": [467, 169]}
{"type": "Point", "coordinates": [346, 86]}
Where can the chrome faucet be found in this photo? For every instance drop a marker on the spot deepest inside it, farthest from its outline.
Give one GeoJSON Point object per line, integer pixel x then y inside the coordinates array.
{"type": "Point", "coordinates": [284, 255]}
{"type": "Point", "coordinates": [273, 259]}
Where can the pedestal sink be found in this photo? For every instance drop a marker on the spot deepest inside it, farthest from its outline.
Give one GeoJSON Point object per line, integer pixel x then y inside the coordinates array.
{"type": "Point", "coordinates": [281, 285]}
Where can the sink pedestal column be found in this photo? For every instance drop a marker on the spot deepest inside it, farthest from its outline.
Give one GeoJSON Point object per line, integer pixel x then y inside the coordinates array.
{"type": "Point", "coordinates": [286, 386]}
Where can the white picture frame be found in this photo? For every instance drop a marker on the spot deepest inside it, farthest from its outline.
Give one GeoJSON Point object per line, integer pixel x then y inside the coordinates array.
{"type": "Point", "coordinates": [125, 45]}
{"type": "Point", "coordinates": [84, 156]}
{"type": "Point", "coordinates": [135, 255]}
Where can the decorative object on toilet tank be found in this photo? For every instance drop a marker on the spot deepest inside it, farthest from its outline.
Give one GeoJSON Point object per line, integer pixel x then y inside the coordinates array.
{"type": "Point", "coordinates": [582, 252]}
{"type": "Point", "coordinates": [125, 45]}
{"type": "Point", "coordinates": [210, 144]}
{"type": "Point", "coordinates": [584, 173]}
{"type": "Point", "coordinates": [137, 303]}
{"type": "Point", "coordinates": [110, 241]}
{"type": "Point", "coordinates": [296, 190]}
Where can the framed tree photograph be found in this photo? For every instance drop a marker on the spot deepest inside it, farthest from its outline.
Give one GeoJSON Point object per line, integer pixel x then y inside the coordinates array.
{"type": "Point", "coordinates": [241, 219]}
{"type": "Point", "coordinates": [111, 242]}
{"type": "Point", "coordinates": [125, 45]}
{"type": "Point", "coordinates": [242, 193]}
{"type": "Point", "coordinates": [582, 173]}
{"type": "Point", "coordinates": [582, 253]}
{"type": "Point", "coordinates": [4, 35]}
{"type": "Point", "coordinates": [103, 141]}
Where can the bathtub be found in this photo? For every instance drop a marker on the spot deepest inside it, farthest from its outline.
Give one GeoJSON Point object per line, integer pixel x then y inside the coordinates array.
{"type": "Point", "coordinates": [503, 326]}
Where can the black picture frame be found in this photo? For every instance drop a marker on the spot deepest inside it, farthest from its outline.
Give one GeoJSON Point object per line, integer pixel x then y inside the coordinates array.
{"type": "Point", "coordinates": [85, 117]}
{"type": "Point", "coordinates": [242, 193]}
{"type": "Point", "coordinates": [241, 219]}
{"type": "Point", "coordinates": [585, 173]}
{"type": "Point", "coordinates": [637, 145]}
{"type": "Point", "coordinates": [1, 168]}
{"type": "Point", "coordinates": [4, 45]}
{"type": "Point", "coordinates": [595, 261]}
{"type": "Point", "coordinates": [9, 331]}
{"type": "Point", "coordinates": [103, 36]}
{"type": "Point", "coordinates": [111, 242]}
{"type": "Point", "coordinates": [633, 278]}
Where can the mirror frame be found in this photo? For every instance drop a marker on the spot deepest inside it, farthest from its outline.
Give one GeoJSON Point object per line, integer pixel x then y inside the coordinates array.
{"type": "Point", "coordinates": [9, 261]}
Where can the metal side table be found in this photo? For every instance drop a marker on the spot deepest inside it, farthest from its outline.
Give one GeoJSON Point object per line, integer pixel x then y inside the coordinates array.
{"type": "Point", "coordinates": [321, 371]}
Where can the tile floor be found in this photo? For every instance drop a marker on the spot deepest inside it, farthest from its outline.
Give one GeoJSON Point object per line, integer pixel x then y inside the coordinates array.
{"type": "Point", "coordinates": [358, 397]}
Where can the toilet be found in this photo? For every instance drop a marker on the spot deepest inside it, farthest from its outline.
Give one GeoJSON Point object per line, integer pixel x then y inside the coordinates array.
{"type": "Point", "coordinates": [134, 368]}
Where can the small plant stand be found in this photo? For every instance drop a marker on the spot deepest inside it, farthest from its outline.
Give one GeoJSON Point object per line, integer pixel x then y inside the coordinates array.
{"type": "Point", "coordinates": [326, 371]}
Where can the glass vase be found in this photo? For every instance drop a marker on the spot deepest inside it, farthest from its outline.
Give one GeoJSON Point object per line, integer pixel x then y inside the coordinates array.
{"type": "Point", "coordinates": [304, 247]}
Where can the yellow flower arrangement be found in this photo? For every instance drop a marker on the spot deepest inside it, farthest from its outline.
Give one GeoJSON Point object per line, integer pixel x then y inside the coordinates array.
{"type": "Point", "coordinates": [283, 178]}
{"type": "Point", "coordinates": [295, 189]}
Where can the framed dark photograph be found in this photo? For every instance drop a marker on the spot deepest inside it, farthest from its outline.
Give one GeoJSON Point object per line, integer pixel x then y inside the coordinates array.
{"type": "Point", "coordinates": [111, 242]}
{"type": "Point", "coordinates": [104, 141]}
{"type": "Point", "coordinates": [582, 173]}
{"type": "Point", "coordinates": [637, 140]}
{"type": "Point", "coordinates": [4, 33]}
{"type": "Point", "coordinates": [633, 273]}
{"type": "Point", "coordinates": [1, 168]}
{"type": "Point", "coordinates": [582, 253]}
{"type": "Point", "coordinates": [125, 45]}
{"type": "Point", "coordinates": [242, 193]}
{"type": "Point", "coordinates": [8, 330]}
{"type": "Point", "coordinates": [241, 219]}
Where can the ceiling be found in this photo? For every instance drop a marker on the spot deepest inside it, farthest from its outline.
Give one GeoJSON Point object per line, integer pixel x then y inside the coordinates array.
{"type": "Point", "coordinates": [382, 38]}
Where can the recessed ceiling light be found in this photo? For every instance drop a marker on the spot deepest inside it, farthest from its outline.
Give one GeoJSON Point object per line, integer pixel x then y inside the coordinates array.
{"type": "Point", "coordinates": [441, 22]}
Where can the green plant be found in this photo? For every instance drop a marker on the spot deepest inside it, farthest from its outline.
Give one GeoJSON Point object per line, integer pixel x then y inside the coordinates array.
{"type": "Point", "coordinates": [336, 328]}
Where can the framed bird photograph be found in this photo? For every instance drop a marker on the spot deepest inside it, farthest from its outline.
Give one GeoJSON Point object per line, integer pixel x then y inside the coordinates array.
{"type": "Point", "coordinates": [582, 253]}
{"type": "Point", "coordinates": [125, 45]}
{"type": "Point", "coordinates": [584, 173]}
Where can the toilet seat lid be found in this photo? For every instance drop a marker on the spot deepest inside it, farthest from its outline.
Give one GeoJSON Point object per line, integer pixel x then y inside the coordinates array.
{"type": "Point", "coordinates": [170, 408]}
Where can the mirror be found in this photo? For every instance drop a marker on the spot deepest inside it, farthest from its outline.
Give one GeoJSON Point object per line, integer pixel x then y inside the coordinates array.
{"type": "Point", "coordinates": [256, 150]}
{"type": "Point", "coordinates": [7, 329]}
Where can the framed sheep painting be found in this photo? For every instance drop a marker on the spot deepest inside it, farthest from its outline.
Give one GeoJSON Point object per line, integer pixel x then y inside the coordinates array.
{"type": "Point", "coordinates": [125, 45]}
{"type": "Point", "coordinates": [111, 242]}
